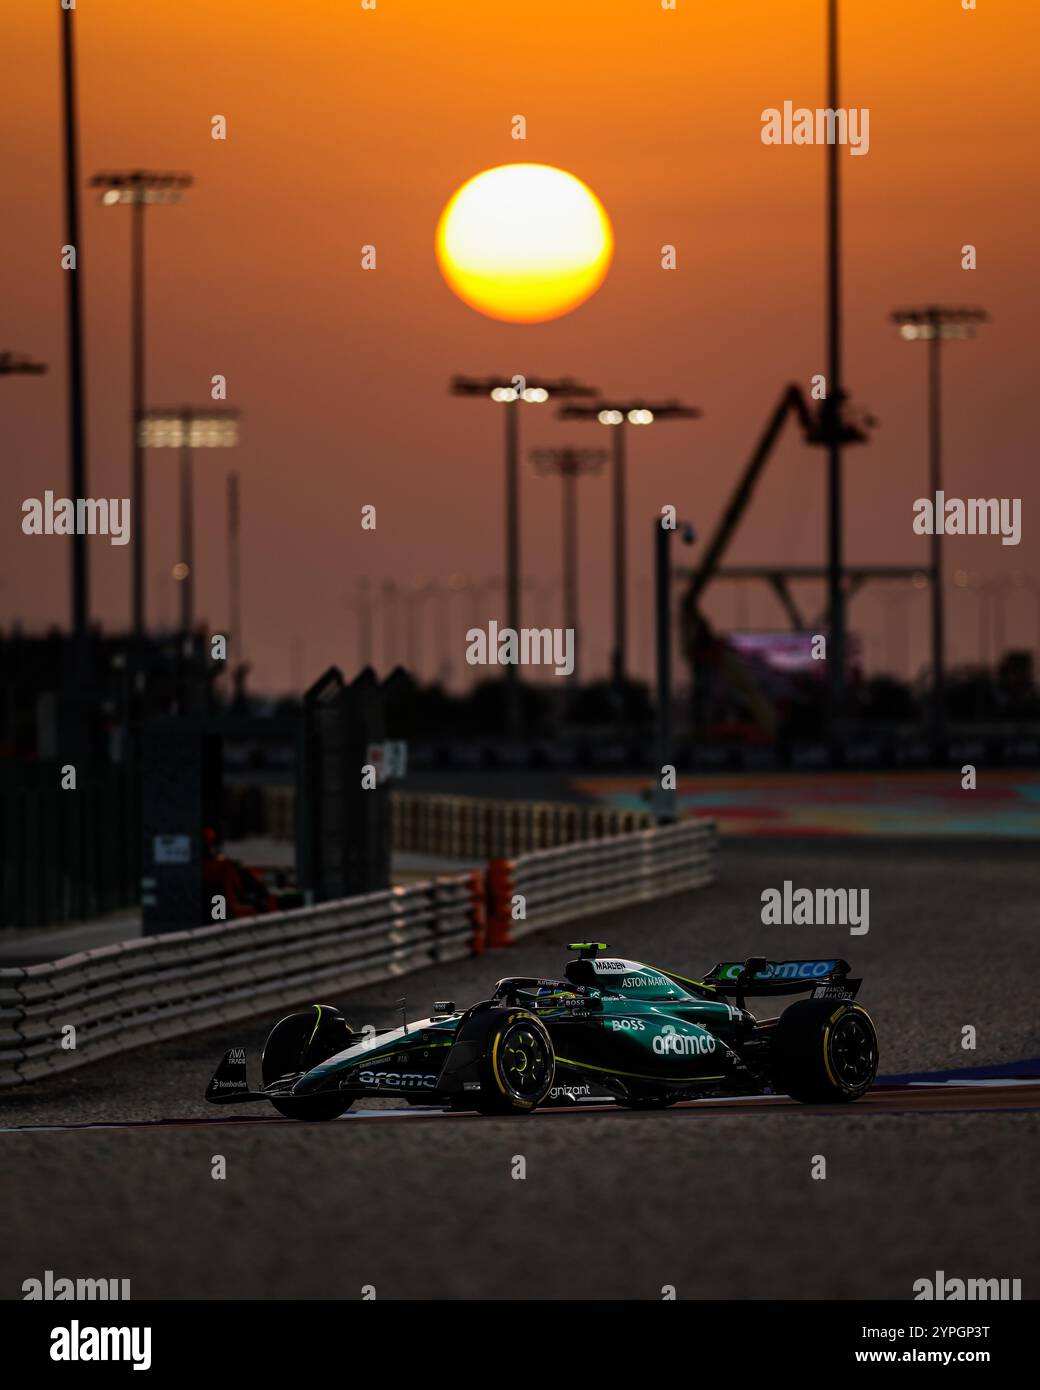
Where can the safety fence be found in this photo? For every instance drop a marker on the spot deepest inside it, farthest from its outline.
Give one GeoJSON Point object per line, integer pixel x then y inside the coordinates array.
{"type": "Point", "coordinates": [67, 1013]}
{"type": "Point", "coordinates": [455, 827]}
{"type": "Point", "coordinates": [533, 891]}
{"type": "Point", "coordinates": [467, 827]}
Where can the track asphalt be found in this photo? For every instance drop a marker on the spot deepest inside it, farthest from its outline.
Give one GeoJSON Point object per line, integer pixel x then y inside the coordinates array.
{"type": "Point", "coordinates": [930, 1172]}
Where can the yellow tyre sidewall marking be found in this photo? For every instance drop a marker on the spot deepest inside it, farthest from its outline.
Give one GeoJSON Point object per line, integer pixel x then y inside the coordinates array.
{"type": "Point", "coordinates": [536, 1028]}
{"type": "Point", "coordinates": [840, 1013]}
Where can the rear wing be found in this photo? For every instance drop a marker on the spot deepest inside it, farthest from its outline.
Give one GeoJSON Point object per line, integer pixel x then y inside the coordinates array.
{"type": "Point", "coordinates": [758, 976]}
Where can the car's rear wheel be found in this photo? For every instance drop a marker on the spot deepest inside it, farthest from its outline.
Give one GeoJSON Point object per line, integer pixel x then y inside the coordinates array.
{"type": "Point", "coordinates": [824, 1052]}
{"type": "Point", "coordinates": [297, 1043]}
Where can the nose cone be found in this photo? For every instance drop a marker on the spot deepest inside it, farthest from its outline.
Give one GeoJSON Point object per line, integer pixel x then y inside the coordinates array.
{"type": "Point", "coordinates": [319, 1078]}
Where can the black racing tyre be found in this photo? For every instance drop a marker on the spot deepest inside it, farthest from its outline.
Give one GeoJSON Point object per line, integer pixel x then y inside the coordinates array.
{"type": "Point", "coordinates": [824, 1051]}
{"type": "Point", "coordinates": [517, 1062]}
{"type": "Point", "coordinates": [297, 1043]}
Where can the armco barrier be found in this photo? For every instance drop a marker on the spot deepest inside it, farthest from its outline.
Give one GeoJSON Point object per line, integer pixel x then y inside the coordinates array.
{"type": "Point", "coordinates": [458, 827]}
{"type": "Point", "coordinates": [123, 996]}
{"type": "Point", "coordinates": [142, 991]}
{"type": "Point", "coordinates": [565, 885]}
{"type": "Point", "coordinates": [471, 827]}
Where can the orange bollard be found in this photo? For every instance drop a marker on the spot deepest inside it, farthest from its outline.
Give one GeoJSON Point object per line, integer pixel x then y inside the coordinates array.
{"type": "Point", "coordinates": [500, 895]}
{"type": "Point", "coordinates": [478, 911]}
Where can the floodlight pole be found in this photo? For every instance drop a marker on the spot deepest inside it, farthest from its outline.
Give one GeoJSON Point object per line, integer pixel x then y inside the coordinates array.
{"type": "Point", "coordinates": [933, 323]}
{"type": "Point", "coordinates": [833, 411]}
{"type": "Point", "coordinates": [569, 464]}
{"type": "Point", "coordinates": [663, 799]}
{"type": "Point", "coordinates": [389, 624]}
{"type": "Point", "coordinates": [138, 188]}
{"type": "Point", "coordinates": [477, 591]}
{"type": "Point", "coordinates": [509, 394]}
{"type": "Point", "coordinates": [413, 598]}
{"type": "Point", "coordinates": [234, 565]}
{"type": "Point", "coordinates": [619, 415]}
{"type": "Point", "coordinates": [137, 397]}
{"type": "Point", "coordinates": [74, 334]}
{"type": "Point", "coordinates": [935, 484]}
{"type": "Point", "coordinates": [364, 609]}
{"type": "Point", "coordinates": [569, 501]}
{"type": "Point", "coordinates": [663, 627]}
{"type": "Point", "coordinates": [512, 532]}
{"type": "Point", "coordinates": [161, 428]}
{"type": "Point", "coordinates": [187, 527]}
{"type": "Point", "coordinates": [618, 660]}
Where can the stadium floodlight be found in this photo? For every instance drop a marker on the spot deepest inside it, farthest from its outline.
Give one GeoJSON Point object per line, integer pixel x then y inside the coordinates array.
{"type": "Point", "coordinates": [512, 392]}
{"type": "Point", "coordinates": [138, 188]}
{"type": "Point", "coordinates": [614, 414]}
{"type": "Point", "coordinates": [17, 364]}
{"type": "Point", "coordinates": [936, 324]}
{"type": "Point", "coordinates": [187, 428]}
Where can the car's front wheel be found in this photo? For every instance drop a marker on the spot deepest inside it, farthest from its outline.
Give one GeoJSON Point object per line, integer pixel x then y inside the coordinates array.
{"type": "Point", "coordinates": [297, 1043]}
{"type": "Point", "coordinates": [517, 1062]}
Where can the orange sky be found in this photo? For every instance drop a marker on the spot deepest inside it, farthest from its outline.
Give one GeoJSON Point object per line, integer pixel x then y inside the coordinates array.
{"type": "Point", "coordinates": [349, 127]}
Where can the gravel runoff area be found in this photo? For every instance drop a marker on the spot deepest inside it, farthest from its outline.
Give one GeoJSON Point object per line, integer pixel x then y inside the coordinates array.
{"type": "Point", "coordinates": [614, 1204]}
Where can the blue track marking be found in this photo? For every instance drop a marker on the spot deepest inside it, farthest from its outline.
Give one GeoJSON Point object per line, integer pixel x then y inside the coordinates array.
{"type": "Point", "coordinates": [1028, 1070]}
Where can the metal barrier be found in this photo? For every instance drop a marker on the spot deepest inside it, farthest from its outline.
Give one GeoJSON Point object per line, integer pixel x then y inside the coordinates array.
{"type": "Point", "coordinates": [457, 827]}
{"type": "Point", "coordinates": [469, 827]}
{"type": "Point", "coordinates": [534, 891]}
{"type": "Point", "coordinates": [123, 996]}
{"type": "Point", "coordinates": [70, 1012]}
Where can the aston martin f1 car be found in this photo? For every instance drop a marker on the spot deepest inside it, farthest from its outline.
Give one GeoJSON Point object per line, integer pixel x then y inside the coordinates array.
{"type": "Point", "coordinates": [638, 1034]}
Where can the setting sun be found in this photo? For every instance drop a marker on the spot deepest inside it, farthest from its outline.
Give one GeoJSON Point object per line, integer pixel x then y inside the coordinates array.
{"type": "Point", "coordinates": [524, 242]}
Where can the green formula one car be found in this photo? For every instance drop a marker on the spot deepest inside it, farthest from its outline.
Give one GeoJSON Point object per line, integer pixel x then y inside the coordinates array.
{"type": "Point", "coordinates": [637, 1034]}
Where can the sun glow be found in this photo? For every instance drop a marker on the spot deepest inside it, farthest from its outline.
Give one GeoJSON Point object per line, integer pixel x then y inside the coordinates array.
{"type": "Point", "coordinates": [524, 242]}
